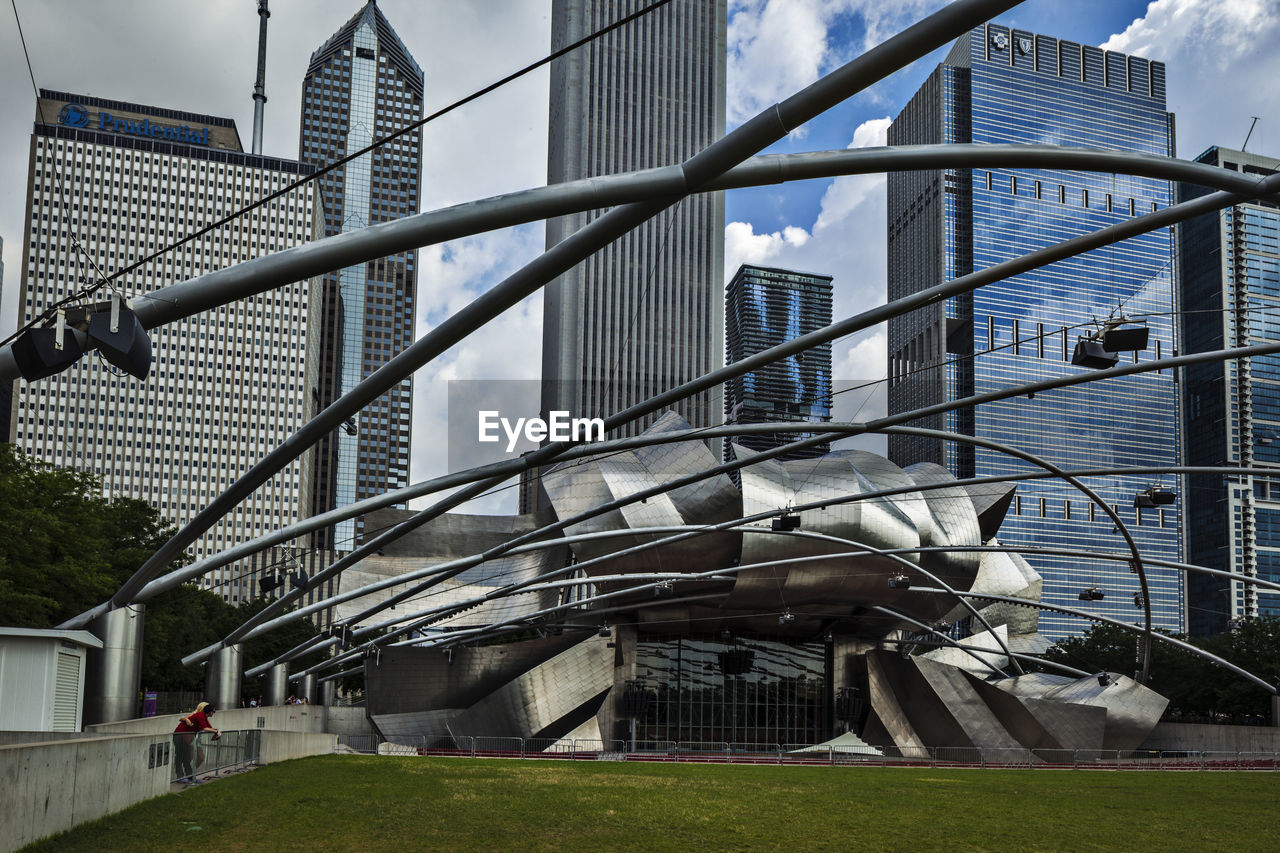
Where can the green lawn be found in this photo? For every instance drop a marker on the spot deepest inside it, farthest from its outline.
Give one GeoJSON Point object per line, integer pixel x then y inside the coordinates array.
{"type": "Point", "coordinates": [393, 803]}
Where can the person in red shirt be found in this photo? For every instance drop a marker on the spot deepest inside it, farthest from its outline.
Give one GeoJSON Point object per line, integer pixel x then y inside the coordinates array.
{"type": "Point", "coordinates": [185, 734]}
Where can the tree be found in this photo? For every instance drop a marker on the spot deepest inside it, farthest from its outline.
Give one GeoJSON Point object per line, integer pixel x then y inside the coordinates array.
{"type": "Point", "coordinates": [1195, 687]}
{"type": "Point", "coordinates": [65, 548]}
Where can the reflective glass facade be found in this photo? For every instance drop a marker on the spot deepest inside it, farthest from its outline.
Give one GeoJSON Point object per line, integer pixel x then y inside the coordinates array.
{"type": "Point", "coordinates": [706, 690]}
{"type": "Point", "coordinates": [1229, 281]}
{"type": "Point", "coordinates": [363, 85]}
{"type": "Point", "coordinates": [764, 307]}
{"type": "Point", "coordinates": [1003, 86]}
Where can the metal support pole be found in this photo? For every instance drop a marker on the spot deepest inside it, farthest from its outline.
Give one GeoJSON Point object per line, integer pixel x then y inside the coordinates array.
{"type": "Point", "coordinates": [328, 693]}
{"type": "Point", "coordinates": [113, 674]}
{"type": "Point", "coordinates": [277, 688]}
{"type": "Point", "coordinates": [222, 677]}
{"type": "Point", "coordinates": [307, 688]}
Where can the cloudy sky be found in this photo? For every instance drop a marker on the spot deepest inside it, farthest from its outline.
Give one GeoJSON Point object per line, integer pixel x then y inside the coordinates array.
{"type": "Point", "coordinates": [199, 55]}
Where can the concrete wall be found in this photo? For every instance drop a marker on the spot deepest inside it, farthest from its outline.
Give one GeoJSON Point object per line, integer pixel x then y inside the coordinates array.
{"type": "Point", "coordinates": [53, 782]}
{"type": "Point", "coordinates": [347, 720]}
{"type": "Point", "coordinates": [289, 718]}
{"type": "Point", "coordinates": [51, 787]}
{"type": "Point", "coordinates": [1207, 738]}
{"type": "Point", "coordinates": [9, 738]}
{"type": "Point", "coordinates": [283, 746]}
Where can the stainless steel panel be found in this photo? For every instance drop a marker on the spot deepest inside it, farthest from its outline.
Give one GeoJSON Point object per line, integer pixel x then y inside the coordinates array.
{"type": "Point", "coordinates": [276, 686]}
{"type": "Point", "coordinates": [222, 677]}
{"type": "Point", "coordinates": [113, 673]}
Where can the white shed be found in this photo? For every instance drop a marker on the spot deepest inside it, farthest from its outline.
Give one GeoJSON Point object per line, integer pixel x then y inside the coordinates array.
{"type": "Point", "coordinates": [42, 678]}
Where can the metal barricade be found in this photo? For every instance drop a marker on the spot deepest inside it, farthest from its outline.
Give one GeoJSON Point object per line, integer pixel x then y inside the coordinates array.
{"type": "Point", "coordinates": [652, 750]}
{"type": "Point", "coordinates": [600, 750]}
{"type": "Point", "coordinates": [366, 744]}
{"type": "Point", "coordinates": [233, 750]}
{"type": "Point", "coordinates": [403, 745]}
{"type": "Point", "coordinates": [711, 751]}
{"type": "Point", "coordinates": [498, 747]}
{"type": "Point", "coordinates": [755, 753]}
{"type": "Point", "coordinates": [448, 745]}
{"type": "Point", "coordinates": [546, 747]}
{"type": "Point", "coordinates": [1054, 759]}
{"type": "Point", "coordinates": [242, 747]}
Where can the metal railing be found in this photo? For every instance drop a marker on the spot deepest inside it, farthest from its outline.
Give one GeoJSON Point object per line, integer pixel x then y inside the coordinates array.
{"type": "Point", "coordinates": [772, 753]}
{"type": "Point", "coordinates": [234, 750]}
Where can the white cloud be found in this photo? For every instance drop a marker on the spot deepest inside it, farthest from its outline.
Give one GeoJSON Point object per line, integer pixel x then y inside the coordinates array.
{"type": "Point", "coordinates": [743, 246]}
{"type": "Point", "coordinates": [508, 347]}
{"type": "Point", "coordinates": [777, 47]}
{"type": "Point", "coordinates": [846, 194]}
{"type": "Point", "coordinates": [857, 363]}
{"type": "Point", "coordinates": [846, 241]}
{"type": "Point", "coordinates": [1221, 61]}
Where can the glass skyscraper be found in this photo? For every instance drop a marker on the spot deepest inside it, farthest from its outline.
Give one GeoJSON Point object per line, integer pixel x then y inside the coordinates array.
{"type": "Point", "coordinates": [645, 312]}
{"type": "Point", "coordinates": [361, 85]}
{"type": "Point", "coordinates": [1229, 282]}
{"type": "Point", "coordinates": [764, 307]}
{"type": "Point", "coordinates": [1008, 86]}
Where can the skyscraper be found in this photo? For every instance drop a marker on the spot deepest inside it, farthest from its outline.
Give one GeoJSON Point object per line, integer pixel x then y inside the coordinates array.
{"type": "Point", "coordinates": [1229, 282]}
{"type": "Point", "coordinates": [112, 182]}
{"type": "Point", "coordinates": [1000, 86]}
{"type": "Point", "coordinates": [361, 85]}
{"type": "Point", "coordinates": [764, 307]}
{"type": "Point", "coordinates": [645, 313]}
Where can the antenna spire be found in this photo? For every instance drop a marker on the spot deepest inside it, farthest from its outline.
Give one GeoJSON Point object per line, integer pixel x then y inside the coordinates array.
{"type": "Point", "coordinates": [260, 84]}
{"type": "Point", "coordinates": [1250, 133]}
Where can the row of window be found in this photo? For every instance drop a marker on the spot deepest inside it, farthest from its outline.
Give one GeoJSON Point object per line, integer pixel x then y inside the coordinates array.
{"type": "Point", "coordinates": [1069, 510]}
{"type": "Point", "coordinates": [1064, 194]}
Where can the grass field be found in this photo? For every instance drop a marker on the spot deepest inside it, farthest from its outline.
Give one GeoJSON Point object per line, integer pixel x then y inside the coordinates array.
{"type": "Point", "coordinates": [393, 803]}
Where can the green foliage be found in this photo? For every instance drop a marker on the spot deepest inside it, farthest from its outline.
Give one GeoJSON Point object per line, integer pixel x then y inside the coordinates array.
{"type": "Point", "coordinates": [187, 619]}
{"type": "Point", "coordinates": [1195, 687]}
{"type": "Point", "coordinates": [64, 548]}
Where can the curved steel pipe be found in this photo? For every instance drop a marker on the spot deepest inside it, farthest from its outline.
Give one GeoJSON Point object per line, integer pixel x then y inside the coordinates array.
{"type": "Point", "coordinates": [641, 441]}
{"type": "Point", "coordinates": [711, 574]}
{"type": "Point", "coordinates": [681, 531]}
{"type": "Point", "coordinates": [439, 577]}
{"type": "Point", "coordinates": [962, 284]}
{"type": "Point", "coordinates": [888, 611]}
{"type": "Point", "coordinates": [1164, 638]}
{"type": "Point", "coordinates": [1080, 673]}
{"type": "Point", "coordinates": [766, 128]}
{"type": "Point", "coordinates": [999, 447]}
{"type": "Point", "coordinates": [250, 278]}
{"type": "Point", "coordinates": [970, 282]}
